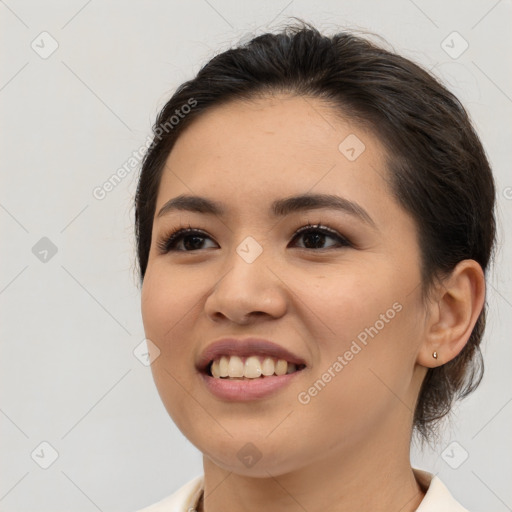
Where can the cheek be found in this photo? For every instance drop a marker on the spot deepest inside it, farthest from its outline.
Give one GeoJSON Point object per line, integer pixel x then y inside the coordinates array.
{"type": "Point", "coordinates": [167, 301]}
{"type": "Point", "coordinates": [345, 303]}
{"type": "Point", "coordinates": [166, 298]}
{"type": "Point", "coordinates": [367, 331]}
{"type": "Point", "coordinates": [359, 385]}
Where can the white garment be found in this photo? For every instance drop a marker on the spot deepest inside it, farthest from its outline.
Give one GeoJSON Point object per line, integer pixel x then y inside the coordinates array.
{"type": "Point", "coordinates": [437, 497]}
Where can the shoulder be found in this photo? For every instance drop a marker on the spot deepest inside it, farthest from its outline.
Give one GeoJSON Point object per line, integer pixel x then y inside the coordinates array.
{"type": "Point", "coordinates": [437, 496]}
{"type": "Point", "coordinates": [182, 500]}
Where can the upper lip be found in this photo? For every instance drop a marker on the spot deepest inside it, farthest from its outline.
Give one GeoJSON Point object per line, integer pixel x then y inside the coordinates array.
{"type": "Point", "coordinates": [244, 348]}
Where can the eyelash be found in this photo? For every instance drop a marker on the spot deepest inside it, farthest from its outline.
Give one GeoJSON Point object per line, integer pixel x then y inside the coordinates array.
{"type": "Point", "coordinates": [168, 242]}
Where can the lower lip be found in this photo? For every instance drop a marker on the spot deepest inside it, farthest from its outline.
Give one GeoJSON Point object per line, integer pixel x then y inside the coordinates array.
{"type": "Point", "coordinates": [247, 389]}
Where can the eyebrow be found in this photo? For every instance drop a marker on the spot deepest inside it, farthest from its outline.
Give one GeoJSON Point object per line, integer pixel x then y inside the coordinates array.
{"type": "Point", "coordinates": [279, 208]}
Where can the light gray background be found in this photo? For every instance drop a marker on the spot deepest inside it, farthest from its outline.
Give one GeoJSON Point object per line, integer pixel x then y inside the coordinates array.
{"type": "Point", "coordinates": [70, 324]}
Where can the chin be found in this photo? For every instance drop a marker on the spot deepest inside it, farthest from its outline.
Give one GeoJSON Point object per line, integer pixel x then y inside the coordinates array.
{"type": "Point", "coordinates": [259, 458]}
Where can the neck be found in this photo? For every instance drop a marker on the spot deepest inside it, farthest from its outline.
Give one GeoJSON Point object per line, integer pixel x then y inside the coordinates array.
{"type": "Point", "coordinates": [374, 474]}
{"type": "Point", "coordinates": [392, 490]}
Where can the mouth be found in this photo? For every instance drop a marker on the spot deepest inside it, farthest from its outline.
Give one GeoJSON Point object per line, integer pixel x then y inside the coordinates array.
{"type": "Point", "coordinates": [234, 367]}
{"type": "Point", "coordinates": [248, 369]}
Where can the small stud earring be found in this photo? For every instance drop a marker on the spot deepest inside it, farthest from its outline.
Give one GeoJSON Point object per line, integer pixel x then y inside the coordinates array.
{"type": "Point", "coordinates": [434, 355]}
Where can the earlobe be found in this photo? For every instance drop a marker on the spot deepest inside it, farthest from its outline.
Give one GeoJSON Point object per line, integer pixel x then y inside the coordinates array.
{"type": "Point", "coordinates": [454, 310]}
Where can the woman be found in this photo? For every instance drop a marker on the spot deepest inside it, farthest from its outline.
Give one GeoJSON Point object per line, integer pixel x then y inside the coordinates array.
{"type": "Point", "coordinates": [314, 222]}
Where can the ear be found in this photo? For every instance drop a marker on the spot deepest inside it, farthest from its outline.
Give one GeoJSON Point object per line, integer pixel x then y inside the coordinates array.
{"type": "Point", "coordinates": [453, 310]}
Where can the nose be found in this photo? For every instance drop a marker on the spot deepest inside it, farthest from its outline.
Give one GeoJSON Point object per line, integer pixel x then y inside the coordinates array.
{"type": "Point", "coordinates": [247, 292]}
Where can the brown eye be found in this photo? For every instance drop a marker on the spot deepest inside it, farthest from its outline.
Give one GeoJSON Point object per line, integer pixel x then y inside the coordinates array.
{"type": "Point", "coordinates": [315, 236]}
{"type": "Point", "coordinates": [184, 240]}
{"type": "Point", "coordinates": [191, 240]}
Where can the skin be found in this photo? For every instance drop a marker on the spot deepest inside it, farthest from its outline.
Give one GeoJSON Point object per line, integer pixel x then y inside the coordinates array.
{"type": "Point", "coordinates": [349, 447]}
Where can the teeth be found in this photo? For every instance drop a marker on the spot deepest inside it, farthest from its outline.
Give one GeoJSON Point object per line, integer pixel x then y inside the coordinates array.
{"type": "Point", "coordinates": [268, 366]}
{"type": "Point", "coordinates": [224, 366]}
{"type": "Point", "coordinates": [281, 367]}
{"type": "Point", "coordinates": [252, 367]}
{"type": "Point", "coordinates": [291, 368]}
{"type": "Point", "coordinates": [235, 367]}
{"type": "Point", "coordinates": [215, 369]}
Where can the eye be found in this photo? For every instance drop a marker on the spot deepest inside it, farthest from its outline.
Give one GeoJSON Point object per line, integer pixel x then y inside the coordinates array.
{"type": "Point", "coordinates": [314, 235]}
{"type": "Point", "coordinates": [191, 239]}
{"type": "Point", "coordinates": [183, 239]}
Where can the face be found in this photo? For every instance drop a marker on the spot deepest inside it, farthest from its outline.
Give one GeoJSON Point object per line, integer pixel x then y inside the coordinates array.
{"type": "Point", "coordinates": [337, 285]}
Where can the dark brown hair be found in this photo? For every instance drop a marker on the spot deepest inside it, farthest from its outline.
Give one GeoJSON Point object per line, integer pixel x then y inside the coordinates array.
{"type": "Point", "coordinates": [437, 166]}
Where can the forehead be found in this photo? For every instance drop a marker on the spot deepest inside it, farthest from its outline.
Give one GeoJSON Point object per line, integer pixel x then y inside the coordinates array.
{"type": "Point", "coordinates": [249, 152]}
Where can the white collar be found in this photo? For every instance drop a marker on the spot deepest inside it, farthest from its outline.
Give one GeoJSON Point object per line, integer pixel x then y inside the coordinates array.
{"type": "Point", "coordinates": [436, 494]}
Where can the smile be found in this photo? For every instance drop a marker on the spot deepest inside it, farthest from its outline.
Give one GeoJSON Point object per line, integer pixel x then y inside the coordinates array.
{"type": "Point", "coordinates": [251, 367]}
